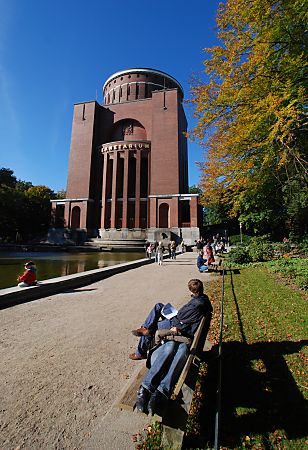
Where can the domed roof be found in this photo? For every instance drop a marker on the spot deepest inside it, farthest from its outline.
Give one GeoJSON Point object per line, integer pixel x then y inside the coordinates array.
{"type": "Point", "coordinates": [148, 71]}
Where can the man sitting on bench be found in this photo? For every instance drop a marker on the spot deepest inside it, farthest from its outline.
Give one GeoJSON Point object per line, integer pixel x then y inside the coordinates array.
{"type": "Point", "coordinates": [167, 360]}
{"type": "Point", "coordinates": [166, 363]}
{"type": "Point", "coordinates": [185, 322]}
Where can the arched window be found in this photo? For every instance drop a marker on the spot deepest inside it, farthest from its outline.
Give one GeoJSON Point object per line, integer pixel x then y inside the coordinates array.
{"type": "Point", "coordinates": [127, 129]}
{"type": "Point", "coordinates": [75, 222]}
{"type": "Point", "coordinates": [164, 215]}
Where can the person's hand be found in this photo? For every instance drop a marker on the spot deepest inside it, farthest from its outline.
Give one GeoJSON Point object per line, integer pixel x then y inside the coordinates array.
{"type": "Point", "coordinates": [175, 330]}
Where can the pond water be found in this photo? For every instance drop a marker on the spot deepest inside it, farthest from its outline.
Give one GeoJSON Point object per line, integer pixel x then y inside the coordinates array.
{"type": "Point", "coordinates": [58, 264]}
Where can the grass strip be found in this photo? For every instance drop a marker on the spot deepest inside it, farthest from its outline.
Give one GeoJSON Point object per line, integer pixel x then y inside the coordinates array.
{"type": "Point", "coordinates": [264, 356]}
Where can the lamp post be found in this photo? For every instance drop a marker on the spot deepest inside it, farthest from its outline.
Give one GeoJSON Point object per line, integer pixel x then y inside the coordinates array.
{"type": "Point", "coordinates": [241, 232]}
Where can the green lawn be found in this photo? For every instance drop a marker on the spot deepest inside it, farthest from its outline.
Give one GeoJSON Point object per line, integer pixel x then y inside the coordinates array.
{"type": "Point", "coordinates": [264, 355]}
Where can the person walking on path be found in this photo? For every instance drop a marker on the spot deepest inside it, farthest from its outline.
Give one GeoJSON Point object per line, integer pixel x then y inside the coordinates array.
{"type": "Point", "coordinates": [160, 253]}
{"type": "Point", "coordinates": [182, 246]}
{"type": "Point", "coordinates": [185, 322]}
{"type": "Point", "coordinates": [28, 278]}
{"type": "Point", "coordinates": [169, 250]}
{"type": "Point", "coordinates": [149, 251]}
{"type": "Point", "coordinates": [173, 249]}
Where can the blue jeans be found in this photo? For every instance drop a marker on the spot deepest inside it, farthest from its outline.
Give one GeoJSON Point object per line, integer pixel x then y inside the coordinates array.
{"type": "Point", "coordinates": [166, 365]}
{"type": "Point", "coordinates": [152, 322]}
{"type": "Point", "coordinates": [203, 268]}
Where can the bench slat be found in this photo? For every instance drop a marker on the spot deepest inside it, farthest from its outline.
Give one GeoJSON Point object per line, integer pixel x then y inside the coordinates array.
{"type": "Point", "coordinates": [192, 352]}
{"type": "Point", "coordinates": [128, 398]}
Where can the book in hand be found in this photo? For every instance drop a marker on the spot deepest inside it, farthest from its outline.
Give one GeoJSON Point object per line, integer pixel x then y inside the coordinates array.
{"type": "Point", "coordinates": [169, 311]}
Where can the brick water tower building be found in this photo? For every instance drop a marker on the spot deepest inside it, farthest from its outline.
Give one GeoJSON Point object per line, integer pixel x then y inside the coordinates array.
{"type": "Point", "coordinates": [128, 172]}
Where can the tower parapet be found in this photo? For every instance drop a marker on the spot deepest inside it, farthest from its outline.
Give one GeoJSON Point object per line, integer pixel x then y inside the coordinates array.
{"type": "Point", "coordinates": [137, 84]}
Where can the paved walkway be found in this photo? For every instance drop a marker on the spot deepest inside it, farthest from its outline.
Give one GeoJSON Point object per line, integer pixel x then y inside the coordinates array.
{"type": "Point", "coordinates": [64, 359]}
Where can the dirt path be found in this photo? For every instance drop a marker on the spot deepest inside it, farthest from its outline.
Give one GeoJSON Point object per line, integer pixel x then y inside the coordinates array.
{"type": "Point", "coordinates": [64, 358]}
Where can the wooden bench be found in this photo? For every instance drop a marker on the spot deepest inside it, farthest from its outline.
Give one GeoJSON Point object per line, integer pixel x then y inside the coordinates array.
{"type": "Point", "coordinates": [176, 414]}
{"type": "Point", "coordinates": [215, 265]}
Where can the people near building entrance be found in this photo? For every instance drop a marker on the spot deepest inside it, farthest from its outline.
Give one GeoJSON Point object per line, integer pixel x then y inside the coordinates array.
{"type": "Point", "coordinates": [149, 250]}
{"type": "Point", "coordinates": [201, 263]}
{"type": "Point", "coordinates": [183, 322]}
{"type": "Point", "coordinates": [28, 278]}
{"type": "Point", "coordinates": [160, 253]}
{"type": "Point", "coordinates": [219, 247]}
{"type": "Point", "coordinates": [155, 245]}
{"type": "Point", "coordinates": [208, 252]}
{"type": "Point", "coordinates": [169, 250]}
{"type": "Point", "coordinates": [182, 246]}
{"type": "Point", "coordinates": [199, 244]}
{"type": "Point", "coordinates": [166, 360]}
{"type": "Point", "coordinates": [173, 249]}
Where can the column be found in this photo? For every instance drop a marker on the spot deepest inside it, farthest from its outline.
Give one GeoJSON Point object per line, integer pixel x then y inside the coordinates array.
{"type": "Point", "coordinates": [104, 190]}
{"type": "Point", "coordinates": [114, 189]}
{"type": "Point", "coordinates": [67, 215]}
{"type": "Point", "coordinates": [125, 189]}
{"type": "Point", "coordinates": [194, 212]}
{"type": "Point", "coordinates": [174, 212]}
{"type": "Point", "coordinates": [137, 189]}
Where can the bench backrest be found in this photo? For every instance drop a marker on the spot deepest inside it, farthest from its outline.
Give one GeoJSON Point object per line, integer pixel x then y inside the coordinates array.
{"type": "Point", "coordinates": [195, 348]}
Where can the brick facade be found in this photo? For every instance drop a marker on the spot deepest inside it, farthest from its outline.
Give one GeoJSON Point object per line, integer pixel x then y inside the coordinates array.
{"type": "Point", "coordinates": [128, 160]}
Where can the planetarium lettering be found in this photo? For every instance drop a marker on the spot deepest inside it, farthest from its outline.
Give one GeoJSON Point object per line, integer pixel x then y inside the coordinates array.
{"type": "Point", "coordinates": [133, 146]}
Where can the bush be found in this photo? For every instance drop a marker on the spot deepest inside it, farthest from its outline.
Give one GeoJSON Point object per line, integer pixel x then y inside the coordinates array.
{"type": "Point", "coordinates": [296, 269]}
{"type": "Point", "coordinates": [235, 239]}
{"type": "Point", "coordinates": [260, 249]}
{"type": "Point", "coordinates": [303, 246]}
{"type": "Point", "coordinates": [239, 255]}
{"type": "Point", "coordinates": [281, 248]}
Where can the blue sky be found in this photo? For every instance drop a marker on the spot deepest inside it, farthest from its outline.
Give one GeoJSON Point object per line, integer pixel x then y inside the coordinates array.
{"type": "Point", "coordinates": [56, 53]}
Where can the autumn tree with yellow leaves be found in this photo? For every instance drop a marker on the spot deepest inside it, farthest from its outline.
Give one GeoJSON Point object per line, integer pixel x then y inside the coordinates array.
{"type": "Point", "coordinates": [252, 113]}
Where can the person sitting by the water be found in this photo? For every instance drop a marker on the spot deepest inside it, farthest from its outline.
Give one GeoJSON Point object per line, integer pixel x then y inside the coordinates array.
{"type": "Point", "coordinates": [28, 278]}
{"type": "Point", "coordinates": [201, 263]}
{"type": "Point", "coordinates": [166, 361]}
{"type": "Point", "coordinates": [185, 322]}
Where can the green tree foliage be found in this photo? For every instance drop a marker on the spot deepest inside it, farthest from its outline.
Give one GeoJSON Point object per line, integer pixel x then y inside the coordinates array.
{"type": "Point", "coordinates": [7, 178]}
{"type": "Point", "coordinates": [252, 112]}
{"type": "Point", "coordinates": [61, 194]}
{"type": "Point", "coordinates": [24, 208]}
{"type": "Point", "coordinates": [216, 214]}
{"type": "Point", "coordinates": [195, 189]}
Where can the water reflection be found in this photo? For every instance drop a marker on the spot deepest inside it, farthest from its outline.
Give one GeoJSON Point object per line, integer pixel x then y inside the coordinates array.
{"type": "Point", "coordinates": [57, 264]}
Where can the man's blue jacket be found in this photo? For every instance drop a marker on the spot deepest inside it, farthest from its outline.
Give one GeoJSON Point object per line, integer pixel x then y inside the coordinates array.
{"type": "Point", "coordinates": [190, 315]}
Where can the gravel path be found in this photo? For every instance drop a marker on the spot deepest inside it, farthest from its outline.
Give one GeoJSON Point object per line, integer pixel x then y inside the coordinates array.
{"type": "Point", "coordinates": [64, 358]}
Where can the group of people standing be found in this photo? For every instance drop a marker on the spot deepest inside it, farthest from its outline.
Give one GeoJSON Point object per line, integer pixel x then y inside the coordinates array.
{"type": "Point", "coordinates": [217, 242]}
{"type": "Point", "coordinates": [157, 249]}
